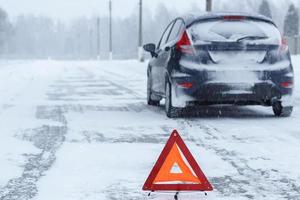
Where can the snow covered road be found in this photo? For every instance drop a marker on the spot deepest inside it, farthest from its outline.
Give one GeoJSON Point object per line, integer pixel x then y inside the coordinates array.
{"type": "Point", "coordinates": [82, 130]}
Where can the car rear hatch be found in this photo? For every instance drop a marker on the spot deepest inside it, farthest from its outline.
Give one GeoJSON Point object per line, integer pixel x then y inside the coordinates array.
{"type": "Point", "coordinates": [231, 49]}
{"type": "Point", "coordinates": [236, 53]}
{"type": "Point", "coordinates": [233, 39]}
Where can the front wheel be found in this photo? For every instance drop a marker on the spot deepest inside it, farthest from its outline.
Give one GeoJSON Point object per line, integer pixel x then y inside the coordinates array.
{"type": "Point", "coordinates": [171, 112]}
{"type": "Point", "coordinates": [281, 111]}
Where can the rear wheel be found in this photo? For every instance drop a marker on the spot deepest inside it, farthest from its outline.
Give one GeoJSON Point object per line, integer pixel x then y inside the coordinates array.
{"type": "Point", "coordinates": [171, 112]}
{"type": "Point", "coordinates": [150, 95]}
{"type": "Point", "coordinates": [281, 111]}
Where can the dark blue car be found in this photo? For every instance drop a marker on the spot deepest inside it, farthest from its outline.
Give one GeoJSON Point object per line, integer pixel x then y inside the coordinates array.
{"type": "Point", "coordinates": [220, 58]}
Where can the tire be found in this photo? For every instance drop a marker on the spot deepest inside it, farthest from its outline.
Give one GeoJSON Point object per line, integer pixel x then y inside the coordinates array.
{"type": "Point", "coordinates": [150, 95]}
{"type": "Point", "coordinates": [280, 111]}
{"type": "Point", "coordinates": [171, 112]}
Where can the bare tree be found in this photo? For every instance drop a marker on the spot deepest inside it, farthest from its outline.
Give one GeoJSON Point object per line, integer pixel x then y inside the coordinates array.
{"type": "Point", "coordinates": [264, 9]}
{"type": "Point", "coordinates": [291, 21]}
{"type": "Point", "coordinates": [4, 29]}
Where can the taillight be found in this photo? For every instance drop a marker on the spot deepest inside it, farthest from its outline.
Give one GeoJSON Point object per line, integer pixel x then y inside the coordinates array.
{"type": "Point", "coordinates": [283, 44]}
{"type": "Point", "coordinates": [186, 85]}
{"type": "Point", "coordinates": [287, 84]}
{"type": "Point", "coordinates": [184, 44]}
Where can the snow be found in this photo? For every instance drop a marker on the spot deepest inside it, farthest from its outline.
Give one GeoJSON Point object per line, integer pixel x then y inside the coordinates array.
{"type": "Point", "coordinates": [242, 76]}
{"type": "Point", "coordinates": [16, 114]}
{"type": "Point", "coordinates": [231, 31]}
{"type": "Point", "coordinates": [82, 130]}
{"type": "Point", "coordinates": [234, 66]}
{"type": "Point", "coordinates": [253, 57]}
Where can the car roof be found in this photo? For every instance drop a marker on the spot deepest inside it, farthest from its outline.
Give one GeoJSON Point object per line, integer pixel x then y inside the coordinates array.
{"type": "Point", "coordinates": [191, 18]}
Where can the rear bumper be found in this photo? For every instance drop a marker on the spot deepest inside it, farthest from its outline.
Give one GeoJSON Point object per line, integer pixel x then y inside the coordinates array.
{"type": "Point", "coordinates": [261, 93]}
{"type": "Point", "coordinates": [212, 85]}
{"type": "Point", "coordinates": [235, 93]}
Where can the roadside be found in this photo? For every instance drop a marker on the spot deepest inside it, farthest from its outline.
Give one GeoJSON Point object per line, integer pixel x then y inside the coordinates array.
{"type": "Point", "coordinates": [83, 131]}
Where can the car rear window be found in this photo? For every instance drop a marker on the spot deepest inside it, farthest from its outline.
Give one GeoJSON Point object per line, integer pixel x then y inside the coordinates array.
{"type": "Point", "coordinates": [234, 30]}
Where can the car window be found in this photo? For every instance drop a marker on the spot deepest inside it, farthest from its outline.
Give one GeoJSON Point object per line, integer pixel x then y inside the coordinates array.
{"type": "Point", "coordinates": [165, 36]}
{"type": "Point", "coordinates": [176, 30]}
{"type": "Point", "coordinates": [222, 30]}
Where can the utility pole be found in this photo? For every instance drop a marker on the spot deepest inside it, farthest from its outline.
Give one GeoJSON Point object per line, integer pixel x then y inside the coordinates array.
{"type": "Point", "coordinates": [110, 30]}
{"type": "Point", "coordinates": [98, 38]}
{"type": "Point", "coordinates": [208, 5]}
{"type": "Point", "coordinates": [140, 48]}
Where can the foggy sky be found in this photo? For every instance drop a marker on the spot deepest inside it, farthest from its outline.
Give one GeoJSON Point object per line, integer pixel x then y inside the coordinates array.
{"type": "Point", "coordinates": [69, 9]}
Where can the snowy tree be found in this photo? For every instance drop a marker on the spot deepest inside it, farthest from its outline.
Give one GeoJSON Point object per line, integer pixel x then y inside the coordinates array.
{"type": "Point", "coordinates": [291, 21]}
{"type": "Point", "coordinates": [31, 36]}
{"type": "Point", "coordinates": [4, 29]}
{"type": "Point", "coordinates": [264, 9]}
{"type": "Point", "coordinates": [162, 19]}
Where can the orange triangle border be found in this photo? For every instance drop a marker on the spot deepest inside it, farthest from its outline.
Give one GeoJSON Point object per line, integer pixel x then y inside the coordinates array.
{"type": "Point", "coordinates": [176, 138]}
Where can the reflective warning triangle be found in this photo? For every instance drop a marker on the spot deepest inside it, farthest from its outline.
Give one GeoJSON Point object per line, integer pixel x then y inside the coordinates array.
{"type": "Point", "coordinates": [176, 169]}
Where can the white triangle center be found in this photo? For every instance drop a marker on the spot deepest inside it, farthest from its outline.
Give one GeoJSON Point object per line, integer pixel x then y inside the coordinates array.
{"type": "Point", "coordinates": [175, 169]}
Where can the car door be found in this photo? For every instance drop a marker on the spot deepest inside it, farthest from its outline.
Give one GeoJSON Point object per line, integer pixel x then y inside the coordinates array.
{"type": "Point", "coordinates": [171, 43]}
{"type": "Point", "coordinates": [158, 64]}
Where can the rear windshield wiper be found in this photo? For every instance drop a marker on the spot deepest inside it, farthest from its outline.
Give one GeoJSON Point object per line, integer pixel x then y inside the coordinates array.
{"type": "Point", "coordinates": [252, 38]}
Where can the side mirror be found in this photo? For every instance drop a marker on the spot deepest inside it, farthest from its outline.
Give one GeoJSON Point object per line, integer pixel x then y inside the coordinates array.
{"type": "Point", "coordinates": [151, 49]}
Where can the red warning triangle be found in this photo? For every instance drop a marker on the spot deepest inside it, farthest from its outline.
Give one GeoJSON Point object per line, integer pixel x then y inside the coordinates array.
{"type": "Point", "coordinates": [176, 169]}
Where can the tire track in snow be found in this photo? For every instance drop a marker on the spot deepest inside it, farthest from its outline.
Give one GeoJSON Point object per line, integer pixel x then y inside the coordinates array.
{"type": "Point", "coordinates": [83, 86]}
{"type": "Point", "coordinates": [249, 183]}
{"type": "Point", "coordinates": [120, 83]}
{"type": "Point", "coordinates": [48, 139]}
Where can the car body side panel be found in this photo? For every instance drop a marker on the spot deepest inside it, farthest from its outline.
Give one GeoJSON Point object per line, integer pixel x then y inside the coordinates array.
{"type": "Point", "coordinates": [158, 71]}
